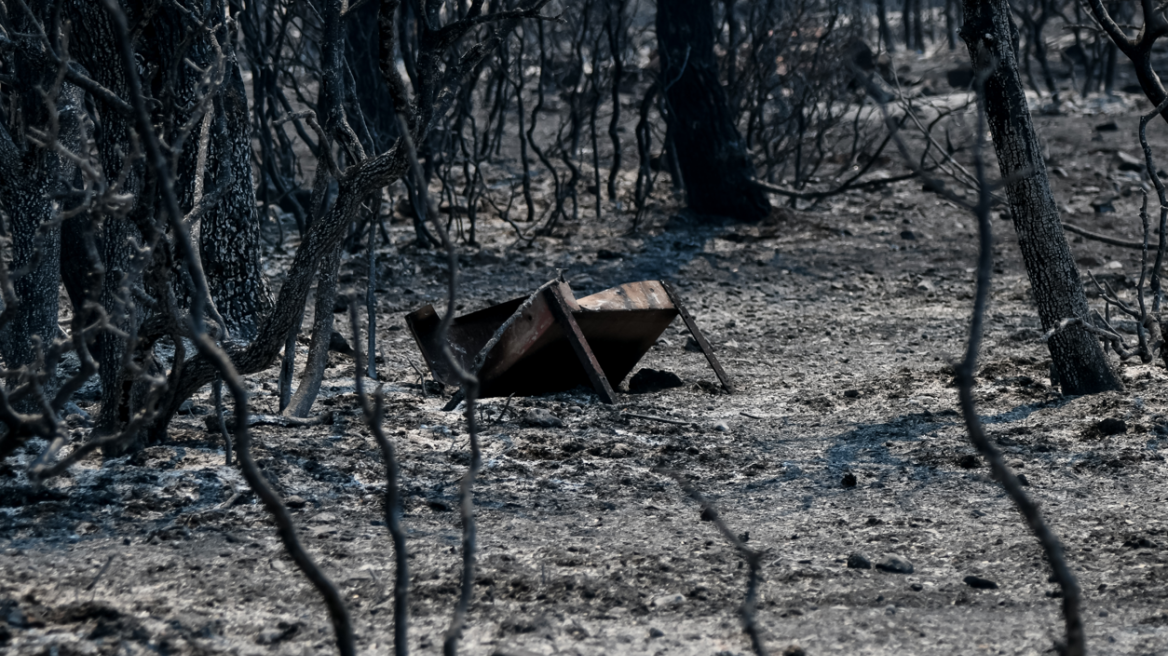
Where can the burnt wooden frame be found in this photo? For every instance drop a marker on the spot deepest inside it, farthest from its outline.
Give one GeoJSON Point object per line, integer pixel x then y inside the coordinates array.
{"type": "Point", "coordinates": [560, 301]}
{"type": "Point", "coordinates": [698, 336]}
{"type": "Point", "coordinates": [563, 316]}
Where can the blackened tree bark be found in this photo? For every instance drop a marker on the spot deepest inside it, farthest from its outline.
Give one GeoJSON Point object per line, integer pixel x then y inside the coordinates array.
{"type": "Point", "coordinates": [31, 175]}
{"type": "Point", "coordinates": [94, 47]}
{"type": "Point", "coordinates": [951, 19]}
{"type": "Point", "coordinates": [906, 23]}
{"type": "Point", "coordinates": [711, 155]}
{"type": "Point", "coordinates": [194, 75]}
{"type": "Point", "coordinates": [226, 223]}
{"type": "Point", "coordinates": [229, 234]}
{"type": "Point", "coordinates": [885, 31]}
{"type": "Point", "coordinates": [1079, 361]}
{"type": "Point", "coordinates": [918, 26]}
{"type": "Point", "coordinates": [372, 102]}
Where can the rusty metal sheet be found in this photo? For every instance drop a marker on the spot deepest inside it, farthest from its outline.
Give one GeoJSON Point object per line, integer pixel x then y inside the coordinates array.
{"type": "Point", "coordinates": [533, 353]}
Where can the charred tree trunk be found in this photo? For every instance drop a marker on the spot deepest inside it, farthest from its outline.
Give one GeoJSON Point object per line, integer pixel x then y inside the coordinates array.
{"type": "Point", "coordinates": [229, 236]}
{"type": "Point", "coordinates": [906, 23]}
{"type": "Point", "coordinates": [885, 31]}
{"type": "Point", "coordinates": [36, 249]}
{"type": "Point", "coordinates": [30, 176]}
{"type": "Point", "coordinates": [1035, 25]}
{"type": "Point", "coordinates": [218, 198]}
{"type": "Point", "coordinates": [1079, 360]}
{"type": "Point", "coordinates": [372, 98]}
{"type": "Point", "coordinates": [951, 17]}
{"type": "Point", "coordinates": [712, 157]}
{"type": "Point", "coordinates": [94, 46]}
{"type": "Point", "coordinates": [918, 26]}
{"type": "Point", "coordinates": [322, 331]}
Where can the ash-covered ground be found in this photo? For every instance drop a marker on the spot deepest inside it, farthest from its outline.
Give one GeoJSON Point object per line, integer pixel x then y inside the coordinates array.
{"type": "Point", "coordinates": [838, 324]}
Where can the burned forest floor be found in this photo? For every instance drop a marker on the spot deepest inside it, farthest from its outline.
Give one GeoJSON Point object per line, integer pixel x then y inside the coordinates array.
{"type": "Point", "coordinates": [838, 324]}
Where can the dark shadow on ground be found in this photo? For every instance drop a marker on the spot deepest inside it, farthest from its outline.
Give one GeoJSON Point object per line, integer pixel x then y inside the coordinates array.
{"type": "Point", "coordinates": [847, 446]}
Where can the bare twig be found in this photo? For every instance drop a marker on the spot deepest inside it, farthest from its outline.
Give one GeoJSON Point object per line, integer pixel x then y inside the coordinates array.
{"type": "Point", "coordinates": [469, 382]}
{"type": "Point", "coordinates": [1072, 602]}
{"type": "Point", "coordinates": [101, 572]}
{"type": "Point", "coordinates": [1149, 331]}
{"type": "Point", "coordinates": [374, 416]}
{"type": "Point", "coordinates": [217, 395]}
{"type": "Point", "coordinates": [664, 420]}
{"type": "Point", "coordinates": [216, 357]}
{"type": "Point", "coordinates": [506, 406]}
{"type": "Point", "coordinates": [753, 560]}
{"type": "Point", "coordinates": [1094, 236]}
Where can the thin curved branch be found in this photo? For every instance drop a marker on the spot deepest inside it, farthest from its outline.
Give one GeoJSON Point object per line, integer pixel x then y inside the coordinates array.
{"type": "Point", "coordinates": [1113, 30]}
{"type": "Point", "coordinates": [753, 561]}
{"type": "Point", "coordinates": [374, 416]}
{"type": "Point", "coordinates": [1051, 545]}
{"type": "Point", "coordinates": [1094, 236]}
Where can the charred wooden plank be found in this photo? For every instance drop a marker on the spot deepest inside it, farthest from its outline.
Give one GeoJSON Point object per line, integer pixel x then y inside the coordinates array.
{"type": "Point", "coordinates": [556, 296]}
{"type": "Point", "coordinates": [698, 336]}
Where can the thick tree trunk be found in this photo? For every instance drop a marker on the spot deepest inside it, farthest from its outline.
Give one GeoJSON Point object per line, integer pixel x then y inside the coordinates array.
{"type": "Point", "coordinates": [372, 99]}
{"type": "Point", "coordinates": [229, 223]}
{"type": "Point", "coordinates": [26, 198]}
{"type": "Point", "coordinates": [31, 176]}
{"type": "Point", "coordinates": [29, 179]}
{"type": "Point", "coordinates": [1079, 360]}
{"type": "Point", "coordinates": [229, 236]}
{"type": "Point", "coordinates": [227, 228]}
{"type": "Point", "coordinates": [716, 169]}
{"type": "Point", "coordinates": [92, 44]}
{"type": "Point", "coordinates": [885, 31]}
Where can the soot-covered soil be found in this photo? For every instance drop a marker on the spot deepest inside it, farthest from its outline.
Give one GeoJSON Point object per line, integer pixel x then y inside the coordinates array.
{"type": "Point", "coordinates": [837, 324]}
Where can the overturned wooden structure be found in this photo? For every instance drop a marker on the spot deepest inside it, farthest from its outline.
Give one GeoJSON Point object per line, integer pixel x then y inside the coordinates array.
{"type": "Point", "coordinates": [551, 341]}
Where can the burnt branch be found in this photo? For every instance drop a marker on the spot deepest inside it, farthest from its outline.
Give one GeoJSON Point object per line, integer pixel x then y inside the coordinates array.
{"type": "Point", "coordinates": [201, 297]}
{"type": "Point", "coordinates": [1148, 321]}
{"type": "Point", "coordinates": [285, 528]}
{"type": "Point", "coordinates": [1139, 48]}
{"type": "Point", "coordinates": [374, 413]}
{"type": "Point", "coordinates": [1051, 545]}
{"type": "Point", "coordinates": [1111, 241]}
{"type": "Point", "coordinates": [753, 560]}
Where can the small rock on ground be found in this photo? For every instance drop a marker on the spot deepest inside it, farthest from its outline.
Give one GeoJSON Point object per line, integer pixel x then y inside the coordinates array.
{"type": "Point", "coordinates": [895, 565]}
{"type": "Point", "coordinates": [859, 561]}
{"type": "Point", "coordinates": [668, 601]}
{"type": "Point", "coordinates": [540, 418]}
{"type": "Point", "coordinates": [338, 344]}
{"type": "Point", "coordinates": [652, 380]}
{"type": "Point", "coordinates": [1111, 426]}
{"type": "Point", "coordinates": [980, 583]}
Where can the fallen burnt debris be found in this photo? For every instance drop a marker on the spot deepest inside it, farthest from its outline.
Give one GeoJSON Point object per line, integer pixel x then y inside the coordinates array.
{"type": "Point", "coordinates": [551, 341]}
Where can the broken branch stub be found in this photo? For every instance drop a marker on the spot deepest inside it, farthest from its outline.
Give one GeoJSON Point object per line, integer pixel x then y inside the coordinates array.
{"type": "Point", "coordinates": [552, 342]}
